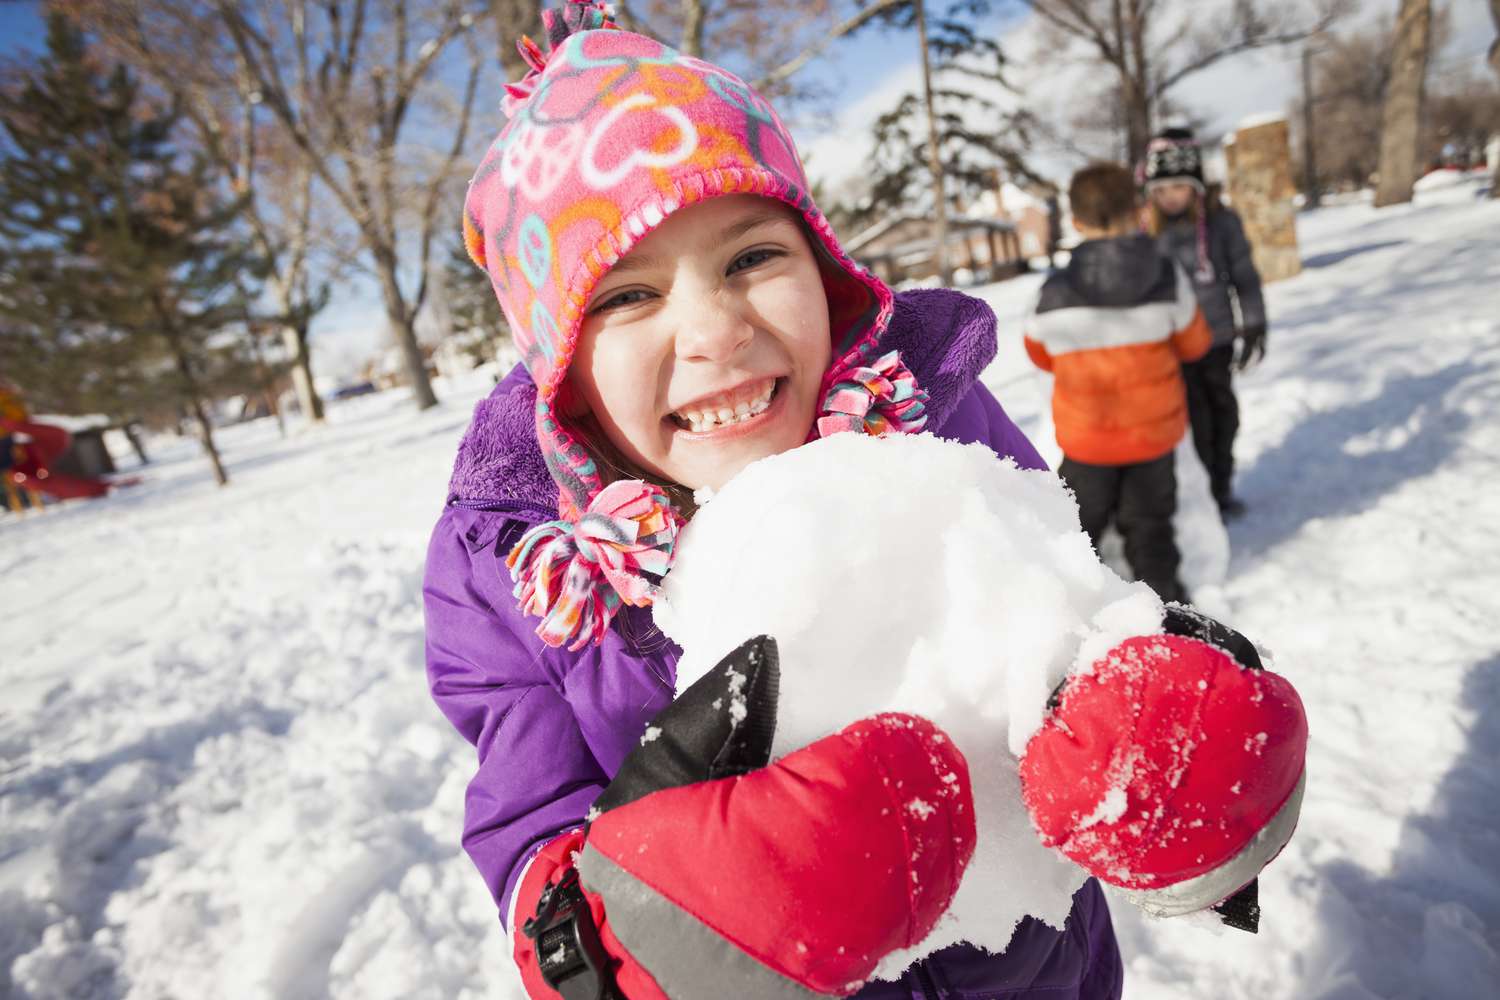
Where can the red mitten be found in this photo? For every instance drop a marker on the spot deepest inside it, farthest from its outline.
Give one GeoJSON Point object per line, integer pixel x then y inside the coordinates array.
{"type": "Point", "coordinates": [710, 873]}
{"type": "Point", "coordinates": [1171, 769]}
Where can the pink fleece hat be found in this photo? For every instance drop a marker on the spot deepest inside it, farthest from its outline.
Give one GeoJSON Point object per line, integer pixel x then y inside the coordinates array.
{"type": "Point", "coordinates": [610, 133]}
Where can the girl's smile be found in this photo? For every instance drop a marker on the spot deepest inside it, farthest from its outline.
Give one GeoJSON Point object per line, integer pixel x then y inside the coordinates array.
{"type": "Point", "coordinates": [733, 408]}
{"type": "Point", "coordinates": [704, 348]}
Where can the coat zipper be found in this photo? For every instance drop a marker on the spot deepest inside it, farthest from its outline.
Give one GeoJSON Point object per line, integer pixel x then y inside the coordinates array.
{"type": "Point", "coordinates": [506, 507]}
{"type": "Point", "coordinates": [925, 980]}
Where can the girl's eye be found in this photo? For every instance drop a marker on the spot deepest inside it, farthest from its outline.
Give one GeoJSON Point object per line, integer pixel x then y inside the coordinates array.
{"type": "Point", "coordinates": [629, 297]}
{"type": "Point", "coordinates": [750, 258]}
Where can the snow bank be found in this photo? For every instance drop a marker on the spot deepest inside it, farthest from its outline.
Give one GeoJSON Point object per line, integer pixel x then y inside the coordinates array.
{"type": "Point", "coordinates": [919, 575]}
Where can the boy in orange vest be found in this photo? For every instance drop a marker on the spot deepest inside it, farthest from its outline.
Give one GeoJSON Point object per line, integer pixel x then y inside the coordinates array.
{"type": "Point", "coordinates": [1114, 327]}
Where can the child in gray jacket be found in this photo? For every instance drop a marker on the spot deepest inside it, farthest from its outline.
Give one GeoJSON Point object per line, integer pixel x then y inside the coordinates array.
{"type": "Point", "coordinates": [1208, 240]}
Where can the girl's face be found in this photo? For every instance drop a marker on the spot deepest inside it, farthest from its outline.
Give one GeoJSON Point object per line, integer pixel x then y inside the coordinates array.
{"type": "Point", "coordinates": [1173, 198]}
{"type": "Point", "coordinates": [703, 349]}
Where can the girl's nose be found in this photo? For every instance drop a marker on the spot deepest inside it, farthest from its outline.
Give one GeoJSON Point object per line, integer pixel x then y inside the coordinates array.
{"type": "Point", "coordinates": [712, 328]}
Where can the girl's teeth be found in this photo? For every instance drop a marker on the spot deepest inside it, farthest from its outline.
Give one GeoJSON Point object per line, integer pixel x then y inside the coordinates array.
{"type": "Point", "coordinates": [706, 420]}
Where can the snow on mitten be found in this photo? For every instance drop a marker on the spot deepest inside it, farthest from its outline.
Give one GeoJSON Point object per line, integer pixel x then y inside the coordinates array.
{"type": "Point", "coordinates": [1173, 770]}
{"type": "Point", "coordinates": [708, 872]}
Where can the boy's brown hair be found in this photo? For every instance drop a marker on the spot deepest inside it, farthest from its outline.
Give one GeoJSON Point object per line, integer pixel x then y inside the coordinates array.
{"type": "Point", "coordinates": [1102, 194]}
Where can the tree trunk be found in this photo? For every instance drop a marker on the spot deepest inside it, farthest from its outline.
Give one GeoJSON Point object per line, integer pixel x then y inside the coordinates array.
{"type": "Point", "coordinates": [512, 20]}
{"type": "Point", "coordinates": [1135, 108]}
{"type": "Point", "coordinates": [934, 158]}
{"type": "Point", "coordinates": [1495, 45]}
{"type": "Point", "coordinates": [1494, 146]}
{"type": "Point", "coordinates": [1137, 84]}
{"type": "Point", "coordinates": [135, 442]}
{"type": "Point", "coordinates": [1401, 117]}
{"type": "Point", "coordinates": [693, 19]}
{"type": "Point", "coordinates": [267, 383]}
{"type": "Point", "coordinates": [195, 403]}
{"type": "Point", "coordinates": [206, 435]}
{"type": "Point", "coordinates": [1312, 189]}
{"type": "Point", "coordinates": [406, 335]}
{"type": "Point", "coordinates": [294, 338]}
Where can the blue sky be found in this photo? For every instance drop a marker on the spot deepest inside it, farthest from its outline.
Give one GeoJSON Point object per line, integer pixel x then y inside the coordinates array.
{"type": "Point", "coordinates": [21, 27]}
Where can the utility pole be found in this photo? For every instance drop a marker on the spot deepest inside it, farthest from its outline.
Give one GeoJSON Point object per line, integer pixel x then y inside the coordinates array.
{"type": "Point", "coordinates": [1312, 191]}
{"type": "Point", "coordinates": [1492, 151]}
{"type": "Point", "coordinates": [934, 158]}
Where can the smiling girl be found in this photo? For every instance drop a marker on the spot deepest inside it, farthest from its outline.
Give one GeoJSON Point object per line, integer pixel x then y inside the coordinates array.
{"type": "Point", "coordinates": [683, 309]}
{"type": "Point", "coordinates": [705, 347]}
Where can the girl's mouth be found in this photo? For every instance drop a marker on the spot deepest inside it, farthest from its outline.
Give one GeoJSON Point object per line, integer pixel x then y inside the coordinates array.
{"type": "Point", "coordinates": [738, 406]}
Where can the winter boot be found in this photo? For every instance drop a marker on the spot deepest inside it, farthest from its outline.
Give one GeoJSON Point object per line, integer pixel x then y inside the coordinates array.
{"type": "Point", "coordinates": [1231, 508]}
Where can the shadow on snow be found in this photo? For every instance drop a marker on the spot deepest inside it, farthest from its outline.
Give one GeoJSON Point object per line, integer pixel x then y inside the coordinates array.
{"type": "Point", "coordinates": [1430, 926]}
{"type": "Point", "coordinates": [1317, 471]}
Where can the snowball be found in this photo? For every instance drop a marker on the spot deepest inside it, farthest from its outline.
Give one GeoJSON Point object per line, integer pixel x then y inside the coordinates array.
{"type": "Point", "coordinates": [918, 575]}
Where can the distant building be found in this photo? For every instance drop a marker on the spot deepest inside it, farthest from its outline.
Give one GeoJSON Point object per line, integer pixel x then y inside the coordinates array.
{"type": "Point", "coordinates": [1035, 212]}
{"type": "Point", "coordinates": [1001, 234]}
{"type": "Point", "coordinates": [899, 249]}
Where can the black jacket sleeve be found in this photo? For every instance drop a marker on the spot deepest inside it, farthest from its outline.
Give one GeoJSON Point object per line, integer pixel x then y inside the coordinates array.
{"type": "Point", "coordinates": [1242, 273]}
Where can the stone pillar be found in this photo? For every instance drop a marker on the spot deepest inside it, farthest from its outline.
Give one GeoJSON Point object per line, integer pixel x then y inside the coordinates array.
{"type": "Point", "coordinates": [1258, 158]}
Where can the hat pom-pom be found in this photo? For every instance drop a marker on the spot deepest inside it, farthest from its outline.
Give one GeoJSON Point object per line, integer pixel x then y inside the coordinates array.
{"type": "Point", "coordinates": [559, 23]}
{"type": "Point", "coordinates": [881, 398]}
{"type": "Point", "coordinates": [575, 575]}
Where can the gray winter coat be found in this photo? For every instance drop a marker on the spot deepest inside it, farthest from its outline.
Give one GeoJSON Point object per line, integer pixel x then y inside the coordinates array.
{"type": "Point", "coordinates": [1233, 268]}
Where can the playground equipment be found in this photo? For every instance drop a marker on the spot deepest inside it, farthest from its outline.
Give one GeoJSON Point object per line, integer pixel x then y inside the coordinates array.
{"type": "Point", "coordinates": [28, 453]}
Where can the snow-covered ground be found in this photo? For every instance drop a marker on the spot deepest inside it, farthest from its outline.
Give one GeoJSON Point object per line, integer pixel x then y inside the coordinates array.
{"type": "Point", "coordinates": [221, 776]}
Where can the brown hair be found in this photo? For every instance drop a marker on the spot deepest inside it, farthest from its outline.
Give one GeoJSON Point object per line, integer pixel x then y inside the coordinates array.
{"type": "Point", "coordinates": [1210, 201]}
{"type": "Point", "coordinates": [1101, 194]}
{"type": "Point", "coordinates": [613, 465]}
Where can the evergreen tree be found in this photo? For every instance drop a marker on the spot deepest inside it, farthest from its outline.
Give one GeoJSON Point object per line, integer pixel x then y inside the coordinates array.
{"type": "Point", "coordinates": [976, 132]}
{"type": "Point", "coordinates": [124, 267]}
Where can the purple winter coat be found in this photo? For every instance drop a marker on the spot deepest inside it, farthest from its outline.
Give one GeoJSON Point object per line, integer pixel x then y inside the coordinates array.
{"type": "Point", "coordinates": [551, 727]}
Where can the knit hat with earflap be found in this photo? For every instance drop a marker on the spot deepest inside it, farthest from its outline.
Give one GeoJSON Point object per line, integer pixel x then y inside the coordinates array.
{"type": "Point", "coordinates": [1172, 157]}
{"type": "Point", "coordinates": [609, 134]}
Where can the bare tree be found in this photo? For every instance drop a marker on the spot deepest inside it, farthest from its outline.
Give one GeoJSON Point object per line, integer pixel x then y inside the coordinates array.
{"type": "Point", "coordinates": [1460, 116]}
{"type": "Point", "coordinates": [512, 19]}
{"type": "Point", "coordinates": [1495, 45]}
{"type": "Point", "coordinates": [754, 38]}
{"type": "Point", "coordinates": [1351, 76]}
{"type": "Point", "coordinates": [1401, 116]}
{"type": "Point", "coordinates": [934, 160]}
{"type": "Point", "coordinates": [1152, 46]}
{"type": "Point", "coordinates": [1348, 84]}
{"type": "Point", "coordinates": [1312, 190]}
{"type": "Point", "coordinates": [348, 82]}
{"type": "Point", "coordinates": [1495, 65]}
{"type": "Point", "coordinates": [183, 50]}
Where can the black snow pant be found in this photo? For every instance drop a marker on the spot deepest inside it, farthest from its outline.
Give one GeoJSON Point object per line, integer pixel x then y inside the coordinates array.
{"type": "Point", "coordinates": [1215, 416]}
{"type": "Point", "coordinates": [1141, 499]}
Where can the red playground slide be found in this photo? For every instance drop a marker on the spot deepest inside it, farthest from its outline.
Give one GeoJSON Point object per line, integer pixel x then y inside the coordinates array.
{"type": "Point", "coordinates": [28, 450]}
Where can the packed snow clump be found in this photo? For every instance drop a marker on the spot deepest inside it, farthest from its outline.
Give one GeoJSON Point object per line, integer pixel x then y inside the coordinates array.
{"type": "Point", "coordinates": [919, 575]}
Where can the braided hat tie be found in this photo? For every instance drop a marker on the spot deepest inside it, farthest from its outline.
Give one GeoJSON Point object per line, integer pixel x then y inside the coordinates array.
{"type": "Point", "coordinates": [561, 568]}
{"type": "Point", "coordinates": [879, 399]}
